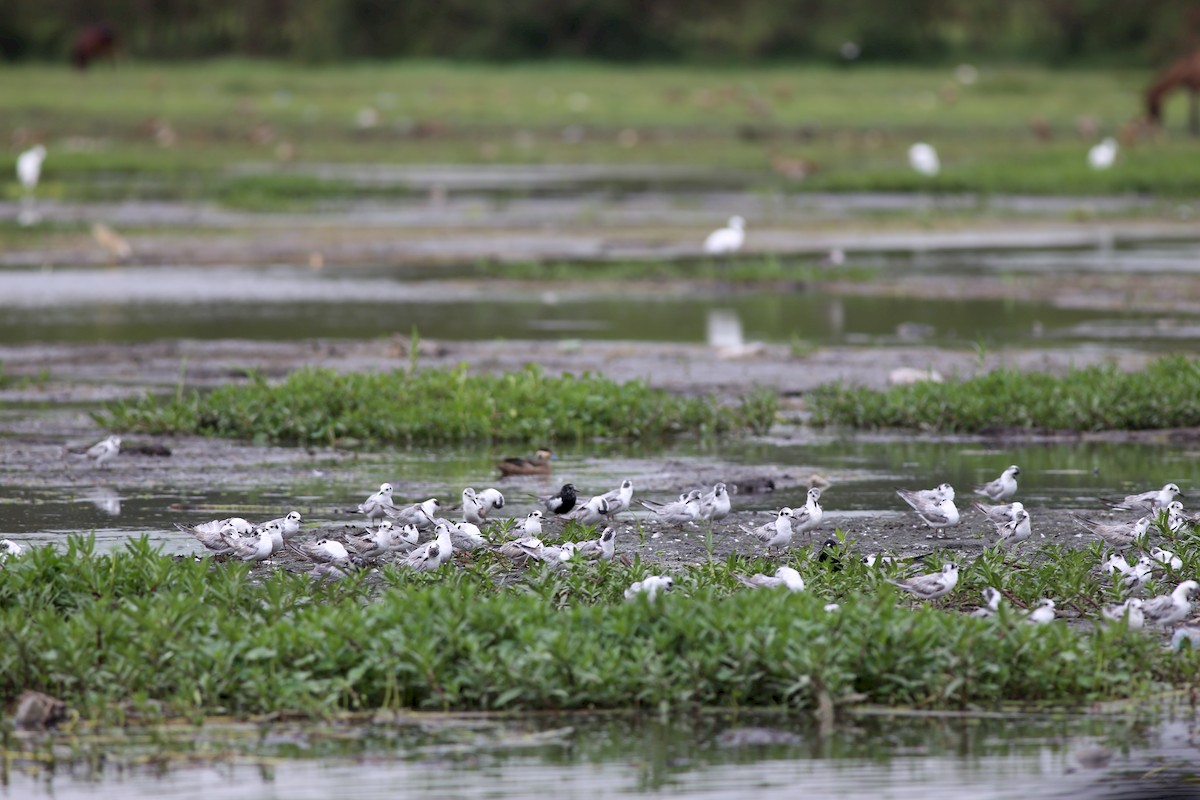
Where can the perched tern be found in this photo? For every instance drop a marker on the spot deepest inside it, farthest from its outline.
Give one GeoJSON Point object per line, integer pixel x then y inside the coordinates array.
{"type": "Point", "coordinates": [1015, 531]}
{"type": "Point", "coordinates": [935, 507]}
{"type": "Point", "coordinates": [213, 534]}
{"type": "Point", "coordinates": [1139, 572]}
{"type": "Point", "coordinates": [9, 548]}
{"type": "Point", "coordinates": [998, 515]}
{"type": "Point", "coordinates": [1167, 609]}
{"type": "Point", "coordinates": [433, 554]}
{"type": "Point", "coordinates": [1002, 488]}
{"type": "Point", "coordinates": [563, 552]}
{"type": "Point", "coordinates": [491, 500]}
{"type": "Point", "coordinates": [777, 533]}
{"type": "Point", "coordinates": [377, 505]}
{"type": "Point", "coordinates": [105, 451]}
{"type": "Point", "coordinates": [808, 516]}
{"type": "Point", "coordinates": [991, 600]}
{"type": "Point", "coordinates": [784, 576]}
{"type": "Point", "coordinates": [603, 548]}
{"type": "Point", "coordinates": [375, 544]}
{"type": "Point", "coordinates": [1167, 558]}
{"type": "Point", "coordinates": [1146, 502]}
{"type": "Point", "coordinates": [325, 551]}
{"type": "Point", "coordinates": [1130, 612]}
{"type": "Point", "coordinates": [421, 515]}
{"type": "Point", "coordinates": [523, 549]}
{"type": "Point", "coordinates": [619, 499]}
{"type": "Point", "coordinates": [532, 524]}
{"type": "Point", "coordinates": [1177, 521]}
{"type": "Point", "coordinates": [404, 538]}
{"type": "Point", "coordinates": [593, 512]}
{"type": "Point", "coordinates": [1118, 534]}
{"type": "Point", "coordinates": [931, 586]}
{"type": "Point", "coordinates": [562, 502]}
{"type": "Point", "coordinates": [1043, 614]}
{"type": "Point", "coordinates": [472, 507]}
{"type": "Point", "coordinates": [257, 549]}
{"type": "Point", "coordinates": [727, 240]}
{"type": "Point", "coordinates": [285, 527]}
{"type": "Point", "coordinates": [715, 505]}
{"type": "Point", "coordinates": [1115, 563]}
{"type": "Point", "coordinates": [650, 586]}
{"type": "Point", "coordinates": [464, 536]}
{"type": "Point", "coordinates": [680, 512]}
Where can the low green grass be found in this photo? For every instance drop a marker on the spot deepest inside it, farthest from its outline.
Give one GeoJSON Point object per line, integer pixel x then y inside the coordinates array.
{"type": "Point", "coordinates": [851, 126]}
{"type": "Point", "coordinates": [322, 407]}
{"type": "Point", "coordinates": [138, 632]}
{"type": "Point", "coordinates": [1164, 395]}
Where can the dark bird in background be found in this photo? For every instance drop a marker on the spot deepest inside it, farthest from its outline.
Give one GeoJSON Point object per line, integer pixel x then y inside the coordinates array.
{"type": "Point", "coordinates": [538, 465]}
{"type": "Point", "coordinates": [562, 502]}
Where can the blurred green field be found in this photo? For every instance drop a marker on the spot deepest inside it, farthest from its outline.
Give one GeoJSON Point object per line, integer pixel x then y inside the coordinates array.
{"type": "Point", "coordinates": [177, 131]}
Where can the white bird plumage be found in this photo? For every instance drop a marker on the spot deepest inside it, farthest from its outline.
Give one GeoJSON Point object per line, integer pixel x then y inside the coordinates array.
{"type": "Point", "coordinates": [650, 586]}
{"type": "Point", "coordinates": [777, 533]}
{"type": "Point", "coordinates": [924, 159]}
{"type": "Point", "coordinates": [1103, 154]}
{"type": "Point", "coordinates": [421, 515]}
{"type": "Point", "coordinates": [1146, 502]}
{"type": "Point", "coordinates": [991, 603]}
{"type": "Point", "coordinates": [1167, 609]}
{"type": "Point", "coordinates": [934, 506]}
{"type": "Point", "coordinates": [784, 576]}
{"type": "Point", "coordinates": [1002, 488]}
{"type": "Point", "coordinates": [105, 450]}
{"type": "Point", "coordinates": [727, 240]}
{"type": "Point", "coordinates": [931, 586]}
{"type": "Point", "coordinates": [378, 504]}
{"type": "Point", "coordinates": [29, 166]}
{"type": "Point", "coordinates": [715, 505]}
{"type": "Point", "coordinates": [619, 499]}
{"type": "Point", "coordinates": [1043, 614]}
{"type": "Point", "coordinates": [603, 548]}
{"type": "Point", "coordinates": [1130, 611]}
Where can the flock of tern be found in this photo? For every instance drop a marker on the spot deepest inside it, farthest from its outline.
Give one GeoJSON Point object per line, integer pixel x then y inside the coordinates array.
{"type": "Point", "coordinates": [398, 530]}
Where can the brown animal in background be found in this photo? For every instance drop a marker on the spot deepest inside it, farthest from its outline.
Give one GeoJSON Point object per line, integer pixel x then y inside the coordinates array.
{"type": "Point", "coordinates": [93, 42]}
{"type": "Point", "coordinates": [1186, 73]}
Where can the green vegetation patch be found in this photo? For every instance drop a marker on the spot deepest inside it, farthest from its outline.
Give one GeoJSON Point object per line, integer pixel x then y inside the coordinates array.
{"type": "Point", "coordinates": [138, 631]}
{"type": "Point", "coordinates": [1164, 395]}
{"type": "Point", "coordinates": [318, 406]}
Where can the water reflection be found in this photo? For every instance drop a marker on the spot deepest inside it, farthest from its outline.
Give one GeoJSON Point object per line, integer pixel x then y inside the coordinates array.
{"type": "Point", "coordinates": [871, 755]}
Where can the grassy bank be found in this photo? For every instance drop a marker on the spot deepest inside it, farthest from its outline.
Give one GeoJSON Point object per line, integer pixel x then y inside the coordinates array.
{"type": "Point", "coordinates": [129, 631]}
{"type": "Point", "coordinates": [315, 406]}
{"type": "Point", "coordinates": [147, 130]}
{"type": "Point", "coordinates": [1164, 395]}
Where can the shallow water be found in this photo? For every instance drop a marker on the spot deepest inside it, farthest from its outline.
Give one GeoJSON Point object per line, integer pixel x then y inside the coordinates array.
{"type": "Point", "coordinates": [869, 755]}
{"type": "Point", "coordinates": [138, 304]}
{"type": "Point", "coordinates": [147, 496]}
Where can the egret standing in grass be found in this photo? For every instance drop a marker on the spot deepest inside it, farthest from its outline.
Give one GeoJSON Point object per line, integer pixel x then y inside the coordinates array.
{"type": "Point", "coordinates": [728, 240]}
{"type": "Point", "coordinates": [924, 159]}
{"type": "Point", "coordinates": [29, 171]}
{"type": "Point", "coordinates": [29, 167]}
{"type": "Point", "coordinates": [1103, 155]}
